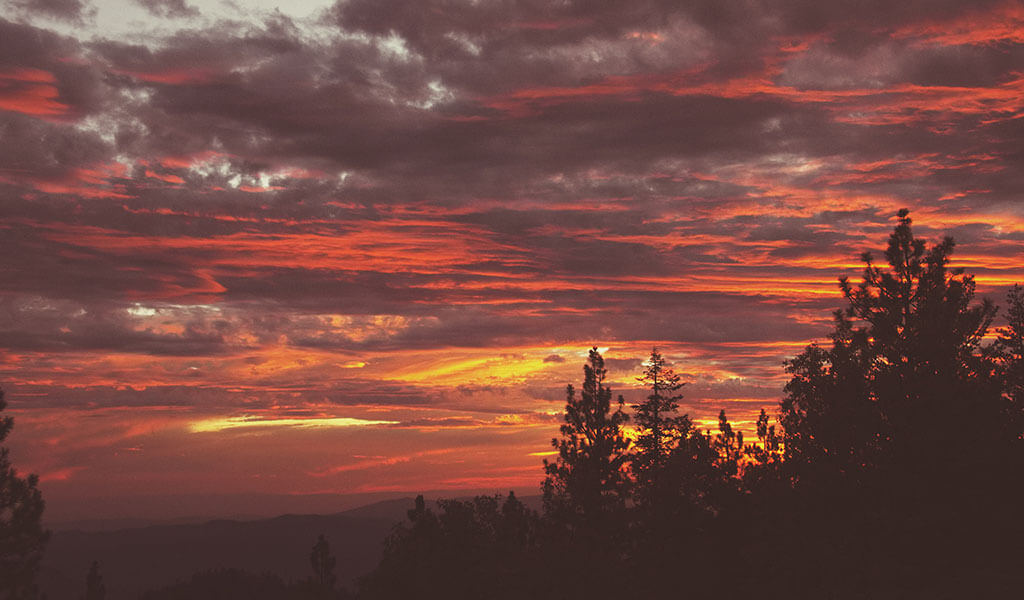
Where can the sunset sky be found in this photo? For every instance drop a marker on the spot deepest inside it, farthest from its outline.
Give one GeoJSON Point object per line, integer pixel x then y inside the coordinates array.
{"type": "Point", "coordinates": [363, 246]}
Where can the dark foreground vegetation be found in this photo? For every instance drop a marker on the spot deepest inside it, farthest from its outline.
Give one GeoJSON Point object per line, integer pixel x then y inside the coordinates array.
{"type": "Point", "coordinates": [897, 471]}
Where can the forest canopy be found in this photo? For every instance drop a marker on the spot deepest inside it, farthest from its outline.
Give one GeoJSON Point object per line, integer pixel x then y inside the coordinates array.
{"type": "Point", "coordinates": [894, 471]}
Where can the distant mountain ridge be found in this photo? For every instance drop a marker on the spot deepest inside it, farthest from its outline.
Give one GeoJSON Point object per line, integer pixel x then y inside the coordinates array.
{"type": "Point", "coordinates": [105, 514]}
{"type": "Point", "coordinates": [135, 559]}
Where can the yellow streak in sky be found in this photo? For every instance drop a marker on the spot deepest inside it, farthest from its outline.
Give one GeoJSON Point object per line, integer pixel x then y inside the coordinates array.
{"type": "Point", "coordinates": [220, 424]}
{"type": "Point", "coordinates": [458, 368]}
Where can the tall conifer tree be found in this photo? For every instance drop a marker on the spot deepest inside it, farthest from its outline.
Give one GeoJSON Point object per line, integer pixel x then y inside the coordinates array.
{"type": "Point", "coordinates": [588, 477]}
{"type": "Point", "coordinates": [659, 427]}
{"type": "Point", "coordinates": [905, 356]}
{"type": "Point", "coordinates": [900, 424]}
{"type": "Point", "coordinates": [323, 564]}
{"type": "Point", "coordinates": [95, 589]}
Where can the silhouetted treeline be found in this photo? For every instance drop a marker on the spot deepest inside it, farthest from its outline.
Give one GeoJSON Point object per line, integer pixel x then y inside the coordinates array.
{"type": "Point", "coordinates": [234, 584]}
{"type": "Point", "coordinates": [22, 537]}
{"type": "Point", "coordinates": [897, 472]}
{"type": "Point", "coordinates": [471, 549]}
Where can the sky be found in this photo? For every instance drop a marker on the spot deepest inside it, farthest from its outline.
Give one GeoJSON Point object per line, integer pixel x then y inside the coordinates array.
{"type": "Point", "coordinates": [363, 246]}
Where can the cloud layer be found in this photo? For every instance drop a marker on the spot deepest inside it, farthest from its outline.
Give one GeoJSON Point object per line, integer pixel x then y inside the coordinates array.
{"type": "Point", "coordinates": [423, 213]}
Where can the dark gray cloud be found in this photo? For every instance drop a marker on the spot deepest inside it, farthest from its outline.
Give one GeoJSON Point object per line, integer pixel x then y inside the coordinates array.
{"type": "Point", "coordinates": [74, 11]}
{"type": "Point", "coordinates": [48, 152]}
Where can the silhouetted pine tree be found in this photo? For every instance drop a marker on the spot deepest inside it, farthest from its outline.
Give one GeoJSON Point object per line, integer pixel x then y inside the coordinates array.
{"type": "Point", "coordinates": [764, 458]}
{"type": "Point", "coordinates": [323, 564]}
{"type": "Point", "coordinates": [906, 358]}
{"type": "Point", "coordinates": [94, 587]}
{"type": "Point", "coordinates": [22, 538]}
{"type": "Point", "coordinates": [728, 445]}
{"type": "Point", "coordinates": [688, 530]}
{"type": "Point", "coordinates": [898, 425]}
{"type": "Point", "coordinates": [659, 428]}
{"type": "Point", "coordinates": [587, 481]}
{"type": "Point", "coordinates": [768, 448]}
{"type": "Point", "coordinates": [586, 488]}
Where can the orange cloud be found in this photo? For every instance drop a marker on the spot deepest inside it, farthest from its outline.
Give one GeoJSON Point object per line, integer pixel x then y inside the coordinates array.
{"type": "Point", "coordinates": [1004, 23]}
{"type": "Point", "coordinates": [30, 91]}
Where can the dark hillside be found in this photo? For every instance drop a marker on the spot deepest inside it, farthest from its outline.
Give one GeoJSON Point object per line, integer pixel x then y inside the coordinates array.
{"type": "Point", "coordinates": [134, 560]}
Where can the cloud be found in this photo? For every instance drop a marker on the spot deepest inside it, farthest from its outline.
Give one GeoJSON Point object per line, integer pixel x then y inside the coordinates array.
{"type": "Point", "coordinates": [74, 11]}
{"type": "Point", "coordinates": [169, 8]}
{"type": "Point", "coordinates": [427, 212]}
